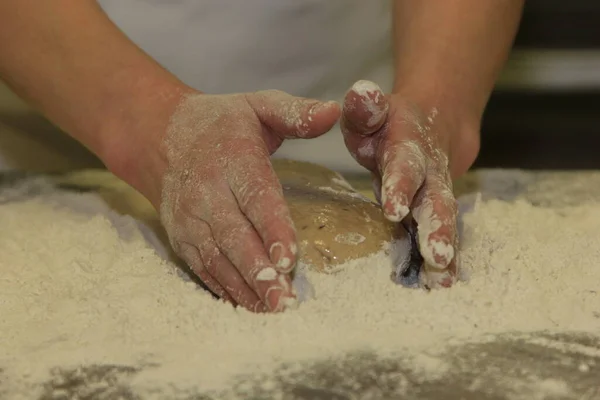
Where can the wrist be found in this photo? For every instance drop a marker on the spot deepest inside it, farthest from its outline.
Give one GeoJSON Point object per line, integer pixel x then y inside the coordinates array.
{"type": "Point", "coordinates": [131, 137]}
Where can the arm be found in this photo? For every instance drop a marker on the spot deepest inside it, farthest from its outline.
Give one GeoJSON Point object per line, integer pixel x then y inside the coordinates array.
{"type": "Point", "coordinates": [66, 58]}
{"type": "Point", "coordinates": [449, 54]}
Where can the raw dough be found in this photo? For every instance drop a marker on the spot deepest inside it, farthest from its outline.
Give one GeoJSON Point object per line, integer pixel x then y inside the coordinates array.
{"type": "Point", "coordinates": [334, 223]}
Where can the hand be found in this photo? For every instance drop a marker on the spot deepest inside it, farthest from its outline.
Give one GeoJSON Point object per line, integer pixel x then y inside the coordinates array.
{"type": "Point", "coordinates": [222, 204]}
{"type": "Point", "coordinates": [406, 150]}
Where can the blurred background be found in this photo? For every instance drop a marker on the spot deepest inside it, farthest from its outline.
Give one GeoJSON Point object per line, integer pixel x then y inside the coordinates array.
{"type": "Point", "coordinates": [545, 112]}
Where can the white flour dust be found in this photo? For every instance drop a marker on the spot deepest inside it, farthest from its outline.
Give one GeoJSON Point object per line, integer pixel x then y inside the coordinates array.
{"type": "Point", "coordinates": [79, 289]}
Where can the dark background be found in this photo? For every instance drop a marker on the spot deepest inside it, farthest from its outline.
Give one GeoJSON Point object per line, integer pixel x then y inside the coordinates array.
{"type": "Point", "coordinates": [545, 127]}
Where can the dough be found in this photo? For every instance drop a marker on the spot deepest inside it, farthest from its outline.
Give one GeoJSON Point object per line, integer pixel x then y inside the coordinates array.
{"type": "Point", "coordinates": [334, 223]}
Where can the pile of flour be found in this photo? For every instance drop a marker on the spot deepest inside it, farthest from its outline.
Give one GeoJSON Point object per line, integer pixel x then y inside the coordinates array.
{"type": "Point", "coordinates": [77, 288]}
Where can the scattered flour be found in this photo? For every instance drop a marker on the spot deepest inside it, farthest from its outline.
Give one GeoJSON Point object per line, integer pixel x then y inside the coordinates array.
{"type": "Point", "coordinates": [79, 289]}
{"type": "Point", "coordinates": [354, 195]}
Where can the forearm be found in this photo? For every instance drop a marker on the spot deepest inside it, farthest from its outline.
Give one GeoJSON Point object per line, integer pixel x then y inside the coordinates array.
{"type": "Point", "coordinates": [450, 52]}
{"type": "Point", "coordinates": [68, 60]}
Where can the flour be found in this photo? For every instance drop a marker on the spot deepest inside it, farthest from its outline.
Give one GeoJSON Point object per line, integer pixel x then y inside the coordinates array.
{"type": "Point", "coordinates": [351, 238]}
{"type": "Point", "coordinates": [368, 150]}
{"type": "Point", "coordinates": [358, 196]}
{"type": "Point", "coordinates": [88, 289]}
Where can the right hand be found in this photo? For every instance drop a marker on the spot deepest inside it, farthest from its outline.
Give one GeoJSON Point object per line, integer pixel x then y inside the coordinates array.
{"type": "Point", "coordinates": [221, 202]}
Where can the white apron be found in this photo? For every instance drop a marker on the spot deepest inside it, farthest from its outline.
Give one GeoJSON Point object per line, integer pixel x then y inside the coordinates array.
{"type": "Point", "coordinates": [311, 48]}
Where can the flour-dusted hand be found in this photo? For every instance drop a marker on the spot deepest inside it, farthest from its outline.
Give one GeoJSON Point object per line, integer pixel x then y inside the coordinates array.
{"type": "Point", "coordinates": [222, 204]}
{"type": "Point", "coordinates": [407, 153]}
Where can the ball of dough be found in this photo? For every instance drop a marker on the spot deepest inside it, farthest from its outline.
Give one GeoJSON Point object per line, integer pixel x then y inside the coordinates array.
{"type": "Point", "coordinates": [334, 222]}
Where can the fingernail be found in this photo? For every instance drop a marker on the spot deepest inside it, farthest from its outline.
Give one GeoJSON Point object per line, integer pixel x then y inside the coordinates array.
{"type": "Point", "coordinates": [272, 297]}
{"type": "Point", "coordinates": [276, 254]}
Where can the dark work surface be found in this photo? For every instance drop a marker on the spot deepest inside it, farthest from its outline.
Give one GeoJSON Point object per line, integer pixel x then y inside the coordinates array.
{"type": "Point", "coordinates": [509, 366]}
{"type": "Point", "coordinates": [541, 131]}
{"type": "Point", "coordinates": [559, 24]}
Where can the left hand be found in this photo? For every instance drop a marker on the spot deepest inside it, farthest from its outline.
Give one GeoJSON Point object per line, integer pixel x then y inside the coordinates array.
{"type": "Point", "coordinates": [407, 150]}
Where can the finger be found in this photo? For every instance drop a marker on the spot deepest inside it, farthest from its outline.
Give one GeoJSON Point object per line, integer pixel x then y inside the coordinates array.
{"type": "Point", "coordinates": [190, 255]}
{"type": "Point", "coordinates": [403, 169]}
{"type": "Point", "coordinates": [238, 241]}
{"type": "Point", "coordinates": [435, 212]}
{"type": "Point", "coordinates": [260, 197]}
{"type": "Point", "coordinates": [294, 117]}
{"type": "Point", "coordinates": [221, 269]}
{"type": "Point", "coordinates": [365, 109]}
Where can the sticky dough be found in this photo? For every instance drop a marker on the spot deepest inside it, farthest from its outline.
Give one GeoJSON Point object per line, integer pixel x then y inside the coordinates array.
{"type": "Point", "coordinates": [334, 222]}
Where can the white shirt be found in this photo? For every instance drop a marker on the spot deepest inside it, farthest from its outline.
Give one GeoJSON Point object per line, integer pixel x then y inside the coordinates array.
{"type": "Point", "coordinates": [310, 48]}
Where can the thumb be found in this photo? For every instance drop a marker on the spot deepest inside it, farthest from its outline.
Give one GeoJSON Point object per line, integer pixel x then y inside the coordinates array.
{"type": "Point", "coordinates": [365, 109]}
{"type": "Point", "coordinates": [291, 117]}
